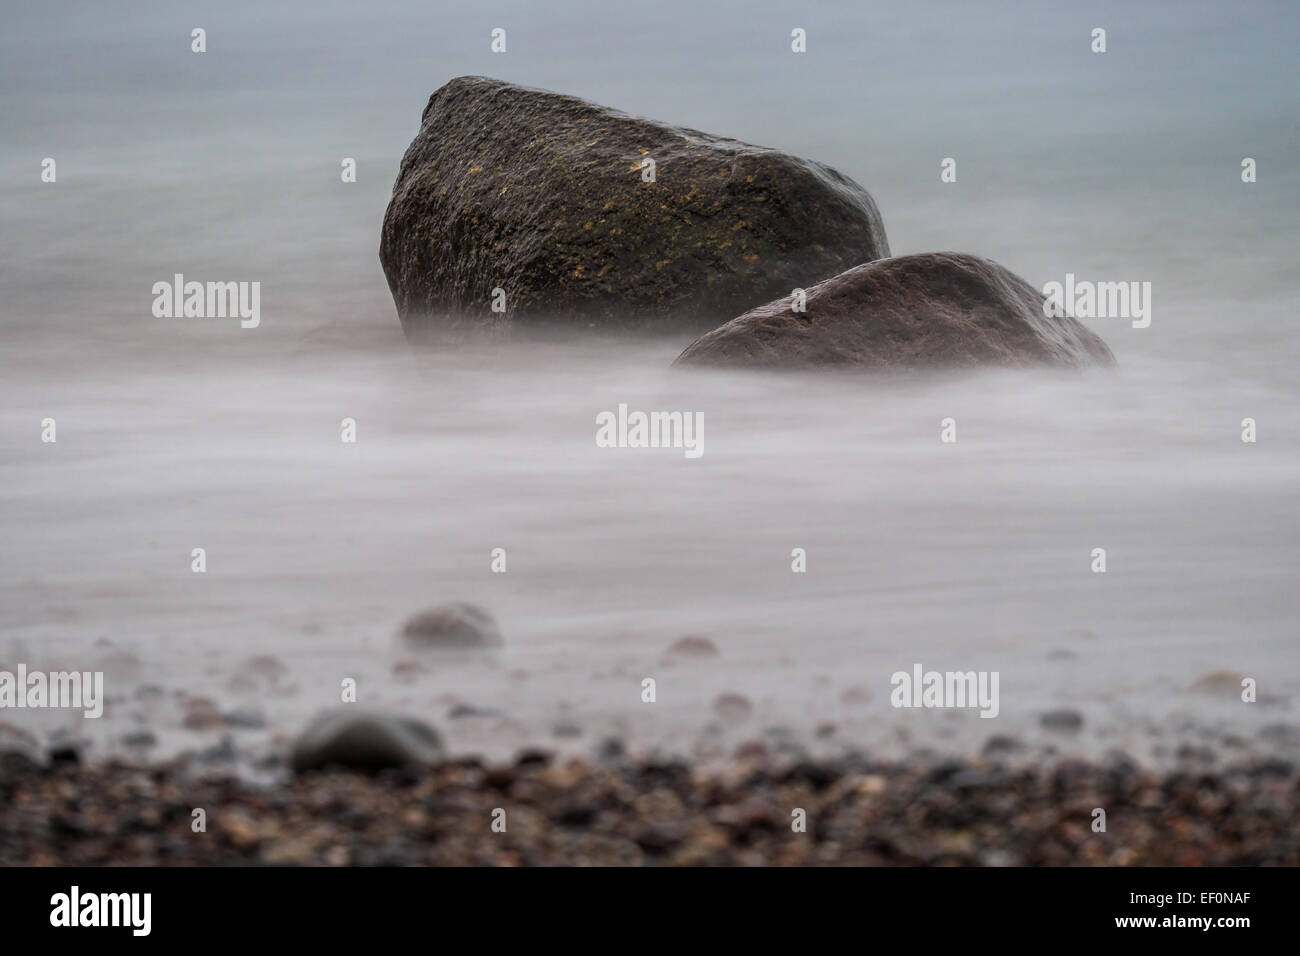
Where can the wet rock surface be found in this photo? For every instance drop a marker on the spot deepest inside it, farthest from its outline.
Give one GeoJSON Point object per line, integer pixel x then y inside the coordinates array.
{"type": "Point", "coordinates": [364, 740]}
{"type": "Point", "coordinates": [546, 197]}
{"type": "Point", "coordinates": [938, 309]}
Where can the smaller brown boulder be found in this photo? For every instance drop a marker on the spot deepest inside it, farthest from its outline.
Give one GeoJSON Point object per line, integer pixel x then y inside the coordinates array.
{"type": "Point", "coordinates": [938, 309]}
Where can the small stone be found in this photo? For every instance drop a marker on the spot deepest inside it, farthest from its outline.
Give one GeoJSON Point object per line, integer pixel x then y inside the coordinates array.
{"type": "Point", "coordinates": [611, 749]}
{"type": "Point", "coordinates": [1219, 683]}
{"type": "Point", "coordinates": [1002, 744]}
{"type": "Point", "coordinates": [201, 713]}
{"type": "Point", "coordinates": [364, 740]}
{"type": "Point", "coordinates": [818, 775]}
{"type": "Point", "coordinates": [64, 755]}
{"type": "Point", "coordinates": [239, 827]}
{"type": "Point", "coordinates": [732, 707]}
{"type": "Point", "coordinates": [577, 814]}
{"type": "Point", "coordinates": [459, 626]}
{"type": "Point", "coordinates": [533, 757]}
{"type": "Point", "coordinates": [658, 838]}
{"type": "Point", "coordinates": [462, 711]}
{"type": "Point", "coordinates": [499, 778]}
{"type": "Point", "coordinates": [692, 646]}
{"type": "Point", "coordinates": [872, 783]}
{"type": "Point", "coordinates": [1191, 753]}
{"type": "Point", "coordinates": [223, 753]}
{"type": "Point", "coordinates": [1120, 764]}
{"type": "Point", "coordinates": [1066, 721]}
{"type": "Point", "coordinates": [259, 672]}
{"type": "Point", "coordinates": [753, 750]}
{"type": "Point", "coordinates": [408, 669]}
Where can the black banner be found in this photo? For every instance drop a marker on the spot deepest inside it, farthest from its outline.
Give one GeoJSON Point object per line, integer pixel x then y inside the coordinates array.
{"type": "Point", "coordinates": [1152, 906]}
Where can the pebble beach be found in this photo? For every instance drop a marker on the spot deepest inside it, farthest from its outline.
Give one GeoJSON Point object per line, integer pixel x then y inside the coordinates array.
{"type": "Point", "coordinates": [612, 810]}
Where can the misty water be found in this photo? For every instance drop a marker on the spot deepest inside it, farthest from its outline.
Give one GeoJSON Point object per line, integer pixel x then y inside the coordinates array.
{"type": "Point", "coordinates": [183, 433]}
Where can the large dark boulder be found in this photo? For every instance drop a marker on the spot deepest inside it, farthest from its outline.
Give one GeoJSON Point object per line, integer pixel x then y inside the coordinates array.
{"type": "Point", "coordinates": [543, 196]}
{"type": "Point", "coordinates": [936, 309]}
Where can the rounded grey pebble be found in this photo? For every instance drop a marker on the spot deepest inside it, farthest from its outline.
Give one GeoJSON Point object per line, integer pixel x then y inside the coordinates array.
{"type": "Point", "coordinates": [364, 740]}
{"type": "Point", "coordinates": [459, 626]}
{"type": "Point", "coordinates": [1063, 720]}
